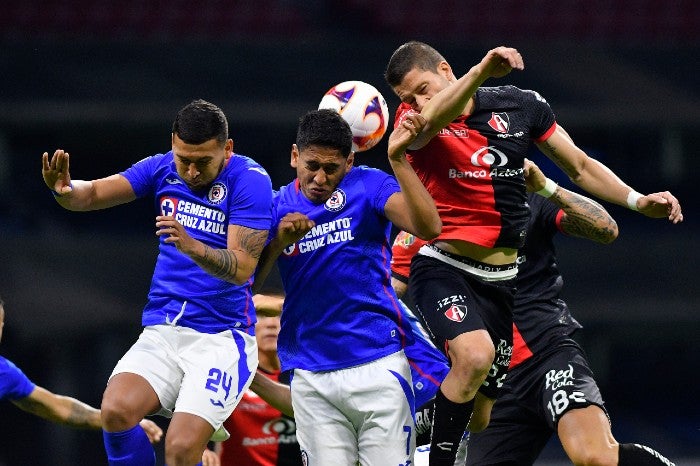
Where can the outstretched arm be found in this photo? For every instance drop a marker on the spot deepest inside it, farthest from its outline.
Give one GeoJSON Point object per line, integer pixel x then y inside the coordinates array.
{"type": "Point", "coordinates": [80, 195]}
{"type": "Point", "coordinates": [277, 395]}
{"type": "Point", "coordinates": [597, 179]}
{"type": "Point", "coordinates": [72, 412]}
{"type": "Point", "coordinates": [583, 217]}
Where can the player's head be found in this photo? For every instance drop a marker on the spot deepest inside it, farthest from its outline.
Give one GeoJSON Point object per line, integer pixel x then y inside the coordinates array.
{"type": "Point", "coordinates": [200, 143]}
{"type": "Point", "coordinates": [267, 328]}
{"type": "Point", "coordinates": [416, 72]}
{"type": "Point", "coordinates": [322, 154]}
{"type": "Point", "coordinates": [2, 317]}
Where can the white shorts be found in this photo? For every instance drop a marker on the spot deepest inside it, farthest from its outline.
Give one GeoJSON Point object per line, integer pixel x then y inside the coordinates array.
{"type": "Point", "coordinates": [361, 414]}
{"type": "Point", "coordinates": [193, 372]}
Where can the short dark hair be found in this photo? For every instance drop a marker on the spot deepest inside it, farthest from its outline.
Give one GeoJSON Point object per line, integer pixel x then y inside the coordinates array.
{"type": "Point", "coordinates": [325, 128]}
{"type": "Point", "coordinates": [200, 121]}
{"type": "Point", "coordinates": [411, 55]}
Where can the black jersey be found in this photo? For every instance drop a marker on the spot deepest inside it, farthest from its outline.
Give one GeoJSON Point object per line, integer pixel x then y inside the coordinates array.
{"type": "Point", "coordinates": [540, 316]}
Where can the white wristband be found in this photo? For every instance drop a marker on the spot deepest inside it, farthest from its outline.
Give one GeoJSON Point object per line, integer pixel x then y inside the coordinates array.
{"type": "Point", "coordinates": [632, 199]}
{"type": "Point", "coordinates": [549, 187]}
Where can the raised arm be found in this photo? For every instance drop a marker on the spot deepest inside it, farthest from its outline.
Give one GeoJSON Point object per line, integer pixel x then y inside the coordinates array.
{"type": "Point", "coordinates": [597, 179]}
{"type": "Point", "coordinates": [412, 209]}
{"type": "Point", "coordinates": [449, 103]}
{"type": "Point", "coordinates": [582, 217]}
{"type": "Point", "coordinates": [80, 195]}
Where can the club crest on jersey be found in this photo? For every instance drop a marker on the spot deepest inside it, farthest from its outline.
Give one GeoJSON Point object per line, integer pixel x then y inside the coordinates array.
{"type": "Point", "coordinates": [499, 121]}
{"type": "Point", "coordinates": [168, 206]}
{"type": "Point", "coordinates": [336, 202]}
{"type": "Point", "coordinates": [217, 193]}
{"type": "Point", "coordinates": [456, 312]}
{"type": "Point", "coordinates": [291, 250]}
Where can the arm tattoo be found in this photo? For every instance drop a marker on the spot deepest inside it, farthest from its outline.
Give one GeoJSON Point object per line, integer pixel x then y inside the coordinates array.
{"type": "Point", "coordinates": [584, 217]}
{"type": "Point", "coordinates": [221, 263]}
{"type": "Point", "coordinates": [251, 241]}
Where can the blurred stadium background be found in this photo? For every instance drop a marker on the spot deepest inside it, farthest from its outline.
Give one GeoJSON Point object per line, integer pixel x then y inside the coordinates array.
{"type": "Point", "coordinates": [104, 79]}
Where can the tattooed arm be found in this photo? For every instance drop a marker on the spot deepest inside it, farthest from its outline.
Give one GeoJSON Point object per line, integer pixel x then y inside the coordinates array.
{"type": "Point", "coordinates": [234, 264]}
{"type": "Point", "coordinates": [583, 217]}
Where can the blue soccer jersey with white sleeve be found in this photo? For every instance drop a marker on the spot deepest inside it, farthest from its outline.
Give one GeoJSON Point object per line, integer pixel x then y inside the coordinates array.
{"type": "Point", "coordinates": [181, 291]}
{"type": "Point", "coordinates": [14, 385]}
{"type": "Point", "coordinates": [340, 309]}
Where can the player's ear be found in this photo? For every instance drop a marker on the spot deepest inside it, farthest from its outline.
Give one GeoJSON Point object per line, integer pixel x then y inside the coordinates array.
{"type": "Point", "coordinates": [351, 159]}
{"type": "Point", "coordinates": [229, 147]}
{"type": "Point", "coordinates": [294, 161]}
{"type": "Point", "coordinates": [444, 69]}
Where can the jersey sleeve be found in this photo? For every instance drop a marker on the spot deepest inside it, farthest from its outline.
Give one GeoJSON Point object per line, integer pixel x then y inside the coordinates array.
{"type": "Point", "coordinates": [546, 214]}
{"type": "Point", "coordinates": [385, 186]}
{"type": "Point", "coordinates": [140, 175]}
{"type": "Point", "coordinates": [14, 385]}
{"type": "Point", "coordinates": [543, 121]}
{"type": "Point", "coordinates": [252, 205]}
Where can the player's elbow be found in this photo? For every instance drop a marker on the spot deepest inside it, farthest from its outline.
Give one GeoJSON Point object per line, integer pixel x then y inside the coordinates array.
{"type": "Point", "coordinates": [429, 230]}
{"type": "Point", "coordinates": [609, 233]}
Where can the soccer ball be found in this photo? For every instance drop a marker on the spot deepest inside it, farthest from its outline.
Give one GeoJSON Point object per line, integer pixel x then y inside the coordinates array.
{"type": "Point", "coordinates": [363, 107]}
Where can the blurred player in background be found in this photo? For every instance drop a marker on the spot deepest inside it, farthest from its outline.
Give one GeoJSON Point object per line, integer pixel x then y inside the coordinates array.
{"type": "Point", "coordinates": [61, 409]}
{"type": "Point", "coordinates": [550, 386]}
{"type": "Point", "coordinates": [261, 435]}
{"type": "Point", "coordinates": [342, 333]}
{"type": "Point", "coordinates": [197, 353]}
{"type": "Point", "coordinates": [470, 156]}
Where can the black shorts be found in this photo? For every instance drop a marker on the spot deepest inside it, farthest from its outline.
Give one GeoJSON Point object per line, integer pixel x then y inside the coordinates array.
{"type": "Point", "coordinates": [452, 301]}
{"type": "Point", "coordinates": [535, 396]}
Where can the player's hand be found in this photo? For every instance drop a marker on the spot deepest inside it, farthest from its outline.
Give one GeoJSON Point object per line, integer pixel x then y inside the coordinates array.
{"type": "Point", "coordinates": [293, 226]}
{"type": "Point", "coordinates": [660, 205]}
{"type": "Point", "coordinates": [268, 305]}
{"type": "Point", "coordinates": [210, 458]}
{"type": "Point", "coordinates": [404, 134]}
{"type": "Point", "coordinates": [153, 432]}
{"type": "Point", "coordinates": [55, 171]}
{"type": "Point", "coordinates": [534, 178]}
{"type": "Point", "coordinates": [175, 233]}
{"type": "Point", "coordinates": [500, 61]}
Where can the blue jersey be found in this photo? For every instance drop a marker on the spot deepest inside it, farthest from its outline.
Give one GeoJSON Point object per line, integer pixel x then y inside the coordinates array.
{"type": "Point", "coordinates": [340, 309]}
{"type": "Point", "coordinates": [429, 366]}
{"type": "Point", "coordinates": [181, 291]}
{"type": "Point", "coordinates": [14, 385]}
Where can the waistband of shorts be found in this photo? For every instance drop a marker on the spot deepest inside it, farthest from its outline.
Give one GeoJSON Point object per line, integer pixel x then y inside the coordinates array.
{"type": "Point", "coordinates": [488, 272]}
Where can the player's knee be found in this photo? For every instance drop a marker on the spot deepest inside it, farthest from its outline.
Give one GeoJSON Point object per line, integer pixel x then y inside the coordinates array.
{"type": "Point", "coordinates": [117, 416]}
{"type": "Point", "coordinates": [475, 360]}
{"type": "Point", "coordinates": [180, 450]}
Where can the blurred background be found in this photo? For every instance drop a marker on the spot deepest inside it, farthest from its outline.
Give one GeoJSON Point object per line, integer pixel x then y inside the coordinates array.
{"type": "Point", "coordinates": [104, 79]}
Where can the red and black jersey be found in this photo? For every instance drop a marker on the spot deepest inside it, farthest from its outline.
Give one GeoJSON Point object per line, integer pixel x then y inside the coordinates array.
{"type": "Point", "coordinates": [473, 168]}
{"type": "Point", "coordinates": [540, 316]}
{"type": "Point", "coordinates": [260, 434]}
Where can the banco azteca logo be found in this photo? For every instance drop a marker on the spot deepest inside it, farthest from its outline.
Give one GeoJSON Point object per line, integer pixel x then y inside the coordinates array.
{"type": "Point", "coordinates": [337, 201]}
{"type": "Point", "coordinates": [489, 156]}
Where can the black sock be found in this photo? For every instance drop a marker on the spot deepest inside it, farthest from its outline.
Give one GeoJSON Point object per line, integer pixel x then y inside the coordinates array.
{"type": "Point", "coordinates": [632, 454]}
{"type": "Point", "coordinates": [449, 423]}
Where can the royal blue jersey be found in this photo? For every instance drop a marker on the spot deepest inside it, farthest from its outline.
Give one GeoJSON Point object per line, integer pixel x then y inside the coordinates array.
{"type": "Point", "coordinates": [181, 291]}
{"type": "Point", "coordinates": [14, 385]}
{"type": "Point", "coordinates": [340, 309]}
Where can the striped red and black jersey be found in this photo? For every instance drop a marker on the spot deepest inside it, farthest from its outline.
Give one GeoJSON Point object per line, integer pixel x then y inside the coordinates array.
{"type": "Point", "coordinates": [473, 168]}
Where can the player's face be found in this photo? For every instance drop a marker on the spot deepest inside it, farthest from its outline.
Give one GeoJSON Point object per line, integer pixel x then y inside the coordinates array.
{"type": "Point", "coordinates": [266, 331]}
{"type": "Point", "coordinates": [418, 86]}
{"type": "Point", "coordinates": [320, 170]}
{"type": "Point", "coordinates": [199, 164]}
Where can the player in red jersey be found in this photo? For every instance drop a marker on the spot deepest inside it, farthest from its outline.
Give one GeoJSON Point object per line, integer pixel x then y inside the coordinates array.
{"type": "Point", "coordinates": [550, 386]}
{"type": "Point", "coordinates": [470, 156]}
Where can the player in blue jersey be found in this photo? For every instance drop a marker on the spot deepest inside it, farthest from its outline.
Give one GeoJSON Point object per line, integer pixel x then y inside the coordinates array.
{"type": "Point", "coordinates": [343, 333]}
{"type": "Point", "coordinates": [30, 397]}
{"type": "Point", "coordinates": [197, 353]}
{"type": "Point", "coordinates": [470, 155]}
